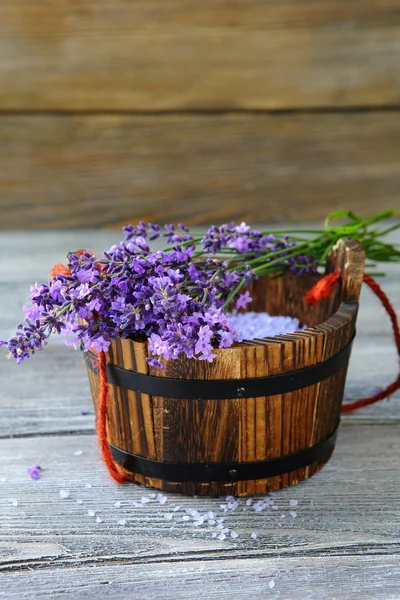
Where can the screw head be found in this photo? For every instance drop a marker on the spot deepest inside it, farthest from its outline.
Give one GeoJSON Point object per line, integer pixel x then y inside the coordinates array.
{"type": "Point", "coordinates": [232, 472]}
{"type": "Point", "coordinates": [240, 391]}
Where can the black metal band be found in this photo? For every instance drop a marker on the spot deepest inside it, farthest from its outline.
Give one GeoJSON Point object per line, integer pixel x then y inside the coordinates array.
{"type": "Point", "coordinates": [205, 472]}
{"type": "Point", "coordinates": [219, 389]}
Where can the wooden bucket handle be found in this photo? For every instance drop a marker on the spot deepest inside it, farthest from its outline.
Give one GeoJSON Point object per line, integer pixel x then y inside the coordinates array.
{"type": "Point", "coordinates": [348, 257]}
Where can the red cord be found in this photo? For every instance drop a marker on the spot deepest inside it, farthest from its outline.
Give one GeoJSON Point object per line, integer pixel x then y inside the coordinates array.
{"type": "Point", "coordinates": [101, 425]}
{"type": "Point", "coordinates": [59, 269]}
{"type": "Point", "coordinates": [323, 289]}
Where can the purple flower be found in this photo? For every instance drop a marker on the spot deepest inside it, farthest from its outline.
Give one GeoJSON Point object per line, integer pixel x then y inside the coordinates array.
{"type": "Point", "coordinates": [33, 312]}
{"type": "Point", "coordinates": [100, 344]}
{"type": "Point", "coordinates": [242, 228]}
{"type": "Point", "coordinates": [242, 244]}
{"type": "Point", "coordinates": [226, 338]}
{"type": "Point", "coordinates": [153, 362]}
{"type": "Point", "coordinates": [34, 472]}
{"type": "Point", "coordinates": [203, 347]}
{"type": "Point", "coordinates": [243, 300]}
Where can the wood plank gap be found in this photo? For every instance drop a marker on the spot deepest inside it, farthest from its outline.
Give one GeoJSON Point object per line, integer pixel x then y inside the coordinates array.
{"type": "Point", "coordinates": [329, 109]}
{"type": "Point", "coordinates": [224, 555]}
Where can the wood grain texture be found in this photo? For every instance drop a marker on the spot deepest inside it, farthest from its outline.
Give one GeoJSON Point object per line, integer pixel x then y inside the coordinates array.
{"type": "Point", "coordinates": [248, 429]}
{"type": "Point", "coordinates": [303, 577]}
{"type": "Point", "coordinates": [96, 171]}
{"type": "Point", "coordinates": [216, 54]}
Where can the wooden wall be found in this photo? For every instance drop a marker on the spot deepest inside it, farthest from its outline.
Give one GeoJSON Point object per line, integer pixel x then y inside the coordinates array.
{"type": "Point", "coordinates": [116, 110]}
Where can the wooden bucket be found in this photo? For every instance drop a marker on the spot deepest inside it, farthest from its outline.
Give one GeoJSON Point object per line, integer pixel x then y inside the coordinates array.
{"type": "Point", "coordinates": [261, 417]}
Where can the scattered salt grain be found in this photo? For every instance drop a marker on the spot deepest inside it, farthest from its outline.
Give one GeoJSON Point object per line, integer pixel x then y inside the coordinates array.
{"type": "Point", "coordinates": [145, 500]}
{"type": "Point", "coordinates": [229, 498]}
{"type": "Point", "coordinates": [249, 502]}
{"type": "Point", "coordinates": [220, 520]}
{"type": "Point", "coordinates": [117, 505]}
{"type": "Point", "coordinates": [198, 523]}
{"type": "Point", "coordinates": [121, 522]}
{"type": "Point", "coordinates": [91, 513]}
{"type": "Point", "coordinates": [98, 520]}
{"type": "Point", "coordinates": [274, 507]}
{"type": "Point", "coordinates": [78, 453]}
{"type": "Point", "coordinates": [214, 535]}
{"type": "Point", "coordinates": [88, 485]}
{"type": "Point", "coordinates": [293, 502]}
{"type": "Point", "coordinates": [293, 514]}
{"type": "Point", "coordinates": [221, 536]}
{"type": "Point", "coordinates": [13, 501]}
{"type": "Point", "coordinates": [211, 521]}
{"type": "Point", "coordinates": [283, 516]}
{"type": "Point", "coordinates": [161, 498]}
{"type": "Point", "coordinates": [176, 508]}
{"type": "Point", "coordinates": [64, 494]}
{"type": "Point", "coordinates": [210, 515]}
{"type": "Point", "coordinates": [186, 518]}
{"type": "Point", "coordinates": [168, 516]}
{"type": "Point", "coordinates": [271, 584]}
{"type": "Point", "coordinates": [79, 501]}
{"type": "Point", "coordinates": [152, 495]}
{"type": "Point", "coordinates": [253, 536]}
{"type": "Point", "coordinates": [234, 535]}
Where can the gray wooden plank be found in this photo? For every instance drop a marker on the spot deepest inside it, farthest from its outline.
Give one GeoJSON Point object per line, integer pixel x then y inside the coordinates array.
{"type": "Point", "coordinates": [350, 507]}
{"type": "Point", "coordinates": [46, 394]}
{"type": "Point", "coordinates": [330, 578]}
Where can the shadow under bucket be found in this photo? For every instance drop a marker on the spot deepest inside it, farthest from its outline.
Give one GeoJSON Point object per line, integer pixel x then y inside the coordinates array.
{"type": "Point", "coordinates": [263, 416]}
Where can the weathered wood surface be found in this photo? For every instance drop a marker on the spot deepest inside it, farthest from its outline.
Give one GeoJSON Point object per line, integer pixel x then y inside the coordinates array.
{"type": "Point", "coordinates": [103, 170]}
{"type": "Point", "coordinates": [374, 577]}
{"type": "Point", "coordinates": [343, 544]}
{"type": "Point", "coordinates": [216, 54]}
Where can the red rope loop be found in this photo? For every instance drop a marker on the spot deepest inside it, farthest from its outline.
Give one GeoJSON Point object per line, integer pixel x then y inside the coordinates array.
{"type": "Point", "coordinates": [323, 289]}
{"type": "Point", "coordinates": [101, 424]}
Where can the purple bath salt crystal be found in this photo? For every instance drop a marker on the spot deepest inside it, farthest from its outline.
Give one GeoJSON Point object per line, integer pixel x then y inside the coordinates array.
{"type": "Point", "coordinates": [253, 325]}
{"type": "Point", "coordinates": [34, 472]}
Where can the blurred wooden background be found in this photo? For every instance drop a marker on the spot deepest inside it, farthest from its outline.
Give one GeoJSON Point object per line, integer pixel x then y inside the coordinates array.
{"type": "Point", "coordinates": [113, 111]}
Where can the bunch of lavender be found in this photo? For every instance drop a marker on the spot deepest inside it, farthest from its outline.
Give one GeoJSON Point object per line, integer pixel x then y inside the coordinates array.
{"type": "Point", "coordinates": [177, 297]}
